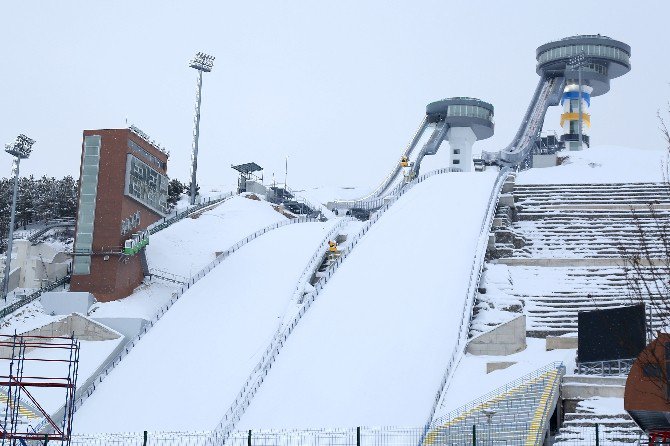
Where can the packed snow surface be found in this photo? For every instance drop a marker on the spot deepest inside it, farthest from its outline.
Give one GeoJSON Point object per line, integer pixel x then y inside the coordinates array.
{"type": "Point", "coordinates": [185, 372]}
{"type": "Point", "coordinates": [604, 164]}
{"type": "Point", "coordinates": [187, 246]}
{"type": "Point", "coordinates": [374, 346]}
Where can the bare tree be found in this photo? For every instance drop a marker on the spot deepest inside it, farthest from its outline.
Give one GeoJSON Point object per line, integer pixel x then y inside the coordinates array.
{"type": "Point", "coordinates": [647, 275]}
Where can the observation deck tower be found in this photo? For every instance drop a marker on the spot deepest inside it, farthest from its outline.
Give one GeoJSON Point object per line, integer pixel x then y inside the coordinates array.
{"type": "Point", "coordinates": [466, 120]}
{"type": "Point", "coordinates": [594, 59]}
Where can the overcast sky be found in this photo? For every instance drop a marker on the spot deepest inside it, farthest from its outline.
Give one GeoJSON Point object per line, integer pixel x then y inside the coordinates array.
{"type": "Point", "coordinates": [339, 87]}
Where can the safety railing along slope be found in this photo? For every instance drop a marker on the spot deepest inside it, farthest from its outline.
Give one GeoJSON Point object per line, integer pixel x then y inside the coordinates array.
{"type": "Point", "coordinates": [509, 414]}
{"type": "Point", "coordinates": [255, 380]}
{"type": "Point", "coordinates": [103, 371]}
{"type": "Point", "coordinates": [390, 178]}
{"type": "Point", "coordinates": [473, 283]}
{"type": "Point", "coordinates": [158, 226]}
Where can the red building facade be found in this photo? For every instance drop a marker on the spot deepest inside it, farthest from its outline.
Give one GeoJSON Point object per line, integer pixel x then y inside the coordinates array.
{"type": "Point", "coordinates": [122, 190]}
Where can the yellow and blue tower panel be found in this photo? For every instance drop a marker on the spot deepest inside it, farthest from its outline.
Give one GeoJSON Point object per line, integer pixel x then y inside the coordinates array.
{"type": "Point", "coordinates": [570, 115]}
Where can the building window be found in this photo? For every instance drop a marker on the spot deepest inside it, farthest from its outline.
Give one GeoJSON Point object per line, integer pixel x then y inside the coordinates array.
{"type": "Point", "coordinates": [146, 185]}
{"type": "Point", "coordinates": [456, 162]}
{"type": "Point", "coordinates": [152, 159]}
{"type": "Point", "coordinates": [457, 151]}
{"type": "Point", "coordinates": [88, 191]}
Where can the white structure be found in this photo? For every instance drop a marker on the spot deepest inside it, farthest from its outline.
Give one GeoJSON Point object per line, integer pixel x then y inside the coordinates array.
{"type": "Point", "coordinates": [66, 302]}
{"type": "Point", "coordinates": [33, 266]}
{"type": "Point", "coordinates": [461, 140]}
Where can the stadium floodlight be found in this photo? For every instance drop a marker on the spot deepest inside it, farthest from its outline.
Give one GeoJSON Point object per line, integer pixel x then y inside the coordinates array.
{"type": "Point", "coordinates": [579, 61]}
{"type": "Point", "coordinates": [204, 64]}
{"type": "Point", "coordinates": [19, 149]}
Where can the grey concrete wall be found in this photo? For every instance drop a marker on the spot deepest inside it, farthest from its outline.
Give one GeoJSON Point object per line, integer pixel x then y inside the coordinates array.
{"type": "Point", "coordinates": [499, 365]}
{"type": "Point", "coordinates": [127, 326]}
{"type": "Point", "coordinates": [581, 387]}
{"type": "Point", "coordinates": [66, 302]}
{"type": "Point", "coordinates": [544, 160]}
{"type": "Point", "coordinates": [560, 342]}
{"type": "Point", "coordinates": [505, 339]}
{"type": "Point", "coordinates": [84, 329]}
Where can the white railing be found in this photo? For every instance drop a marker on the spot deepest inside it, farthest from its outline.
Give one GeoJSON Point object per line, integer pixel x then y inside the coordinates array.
{"type": "Point", "coordinates": [178, 216]}
{"type": "Point", "coordinates": [257, 376]}
{"type": "Point", "coordinates": [341, 204]}
{"type": "Point", "coordinates": [475, 275]}
{"type": "Point", "coordinates": [471, 406]}
{"type": "Point", "coordinates": [90, 386]}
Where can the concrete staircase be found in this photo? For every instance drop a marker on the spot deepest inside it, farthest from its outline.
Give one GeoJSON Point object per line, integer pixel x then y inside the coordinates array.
{"type": "Point", "coordinates": [561, 244]}
{"type": "Point", "coordinates": [581, 416]}
{"type": "Point", "coordinates": [515, 414]}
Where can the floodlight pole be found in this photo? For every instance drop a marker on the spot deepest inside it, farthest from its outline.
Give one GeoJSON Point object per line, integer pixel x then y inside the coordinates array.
{"type": "Point", "coordinates": [19, 149]}
{"type": "Point", "coordinates": [201, 62]}
{"type": "Point", "coordinates": [196, 136]}
{"type": "Point", "coordinates": [579, 60]}
{"type": "Point", "coordinates": [10, 235]}
{"type": "Point", "coordinates": [579, 75]}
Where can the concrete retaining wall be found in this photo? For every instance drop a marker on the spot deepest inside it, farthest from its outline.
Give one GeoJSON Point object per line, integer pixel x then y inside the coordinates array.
{"type": "Point", "coordinates": [505, 339]}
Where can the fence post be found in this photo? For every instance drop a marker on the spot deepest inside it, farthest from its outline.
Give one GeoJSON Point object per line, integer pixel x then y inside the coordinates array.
{"type": "Point", "coordinates": [597, 436]}
{"type": "Point", "coordinates": [46, 439]}
{"type": "Point", "coordinates": [474, 435]}
{"type": "Point", "coordinates": [358, 436]}
{"type": "Point", "coordinates": [146, 438]}
{"type": "Point", "coordinates": [249, 438]}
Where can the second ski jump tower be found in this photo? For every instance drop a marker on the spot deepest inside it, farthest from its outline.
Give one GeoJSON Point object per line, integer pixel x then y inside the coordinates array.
{"type": "Point", "coordinates": [459, 120]}
{"type": "Point", "coordinates": [603, 59]}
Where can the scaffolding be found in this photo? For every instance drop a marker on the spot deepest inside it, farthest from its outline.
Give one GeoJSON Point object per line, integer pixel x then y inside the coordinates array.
{"type": "Point", "coordinates": [53, 363]}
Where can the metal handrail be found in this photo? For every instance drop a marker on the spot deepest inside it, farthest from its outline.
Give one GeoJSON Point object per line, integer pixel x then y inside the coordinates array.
{"type": "Point", "coordinates": [475, 276]}
{"type": "Point", "coordinates": [225, 427]}
{"type": "Point", "coordinates": [494, 393]}
{"type": "Point", "coordinates": [87, 389]}
{"type": "Point", "coordinates": [391, 176]}
{"type": "Point", "coordinates": [160, 225]}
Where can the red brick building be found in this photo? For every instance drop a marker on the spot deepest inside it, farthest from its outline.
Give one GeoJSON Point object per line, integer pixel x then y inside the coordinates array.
{"type": "Point", "coordinates": [122, 190]}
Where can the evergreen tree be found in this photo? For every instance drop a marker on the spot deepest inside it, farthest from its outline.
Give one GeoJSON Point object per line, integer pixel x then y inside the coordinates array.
{"type": "Point", "coordinates": [175, 189]}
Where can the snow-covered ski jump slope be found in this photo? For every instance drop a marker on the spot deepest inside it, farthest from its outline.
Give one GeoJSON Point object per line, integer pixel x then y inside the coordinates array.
{"type": "Point", "coordinates": [187, 370]}
{"type": "Point", "coordinates": [373, 348]}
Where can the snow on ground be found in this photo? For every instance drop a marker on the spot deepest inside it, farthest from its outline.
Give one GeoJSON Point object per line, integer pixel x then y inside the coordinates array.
{"type": "Point", "coordinates": [602, 406]}
{"type": "Point", "coordinates": [373, 347]}
{"type": "Point", "coordinates": [184, 373]}
{"type": "Point", "coordinates": [92, 354]}
{"type": "Point", "coordinates": [601, 164]}
{"type": "Point", "coordinates": [26, 318]}
{"type": "Point", "coordinates": [185, 247]}
{"type": "Point", "coordinates": [470, 381]}
{"type": "Point", "coordinates": [144, 303]}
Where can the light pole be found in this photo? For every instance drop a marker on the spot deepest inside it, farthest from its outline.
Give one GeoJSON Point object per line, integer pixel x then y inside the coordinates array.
{"type": "Point", "coordinates": [203, 63]}
{"type": "Point", "coordinates": [489, 417]}
{"type": "Point", "coordinates": [578, 61]}
{"type": "Point", "coordinates": [19, 149]}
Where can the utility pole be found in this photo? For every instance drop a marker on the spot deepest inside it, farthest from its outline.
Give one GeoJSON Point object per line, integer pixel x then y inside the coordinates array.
{"type": "Point", "coordinates": [578, 61]}
{"type": "Point", "coordinates": [19, 149]}
{"type": "Point", "coordinates": [203, 63]}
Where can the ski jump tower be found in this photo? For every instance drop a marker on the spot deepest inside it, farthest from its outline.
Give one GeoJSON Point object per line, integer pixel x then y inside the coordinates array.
{"type": "Point", "coordinates": [595, 59]}
{"type": "Point", "coordinates": [602, 59]}
{"type": "Point", "coordinates": [462, 121]}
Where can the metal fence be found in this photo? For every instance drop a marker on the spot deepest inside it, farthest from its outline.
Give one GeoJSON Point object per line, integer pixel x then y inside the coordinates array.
{"type": "Point", "coordinates": [32, 296]}
{"type": "Point", "coordinates": [168, 221]}
{"type": "Point", "coordinates": [476, 435]}
{"type": "Point", "coordinates": [615, 367]}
